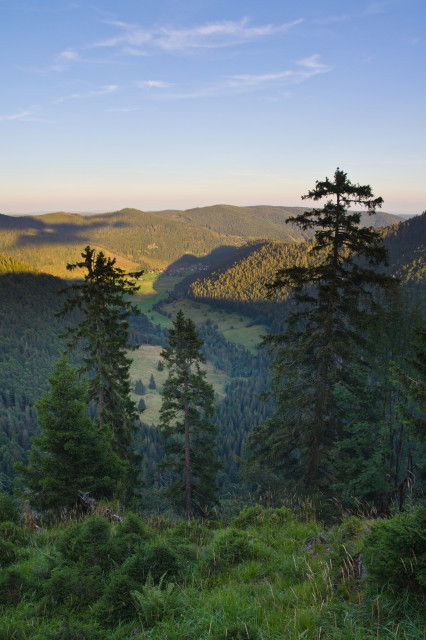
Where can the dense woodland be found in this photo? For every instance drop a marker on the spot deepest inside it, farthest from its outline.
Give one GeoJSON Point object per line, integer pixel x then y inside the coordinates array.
{"type": "Point", "coordinates": [239, 284]}
{"type": "Point", "coordinates": [356, 452]}
{"type": "Point", "coordinates": [139, 238]}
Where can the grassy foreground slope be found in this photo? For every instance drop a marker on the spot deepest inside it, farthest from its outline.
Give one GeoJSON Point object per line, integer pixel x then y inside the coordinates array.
{"type": "Point", "coordinates": [268, 576]}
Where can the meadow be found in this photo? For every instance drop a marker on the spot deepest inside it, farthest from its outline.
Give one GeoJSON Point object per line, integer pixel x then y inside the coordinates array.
{"type": "Point", "coordinates": [235, 327]}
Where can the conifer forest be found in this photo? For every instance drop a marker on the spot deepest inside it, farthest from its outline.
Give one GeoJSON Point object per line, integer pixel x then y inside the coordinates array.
{"type": "Point", "coordinates": [218, 437]}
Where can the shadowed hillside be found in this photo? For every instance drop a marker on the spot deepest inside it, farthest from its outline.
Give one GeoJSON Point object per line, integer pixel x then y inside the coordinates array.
{"type": "Point", "coordinates": [240, 279]}
{"type": "Point", "coordinates": [144, 239]}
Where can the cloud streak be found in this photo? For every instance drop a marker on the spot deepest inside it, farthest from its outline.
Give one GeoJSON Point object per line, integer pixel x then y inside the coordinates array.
{"type": "Point", "coordinates": [153, 84]}
{"type": "Point", "coordinates": [372, 9]}
{"type": "Point", "coordinates": [135, 40]}
{"type": "Point", "coordinates": [24, 116]}
{"type": "Point", "coordinates": [110, 88]}
{"type": "Point", "coordinates": [249, 83]}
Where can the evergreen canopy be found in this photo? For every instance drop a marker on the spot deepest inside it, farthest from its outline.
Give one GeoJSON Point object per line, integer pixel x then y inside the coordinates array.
{"type": "Point", "coordinates": [324, 344]}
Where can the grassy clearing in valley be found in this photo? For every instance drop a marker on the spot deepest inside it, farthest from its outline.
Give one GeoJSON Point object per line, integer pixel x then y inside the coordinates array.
{"type": "Point", "coordinates": [145, 363]}
{"type": "Point", "coordinates": [235, 327]}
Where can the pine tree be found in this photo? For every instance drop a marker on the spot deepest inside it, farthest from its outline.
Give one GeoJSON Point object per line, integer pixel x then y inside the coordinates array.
{"type": "Point", "coordinates": [318, 359]}
{"type": "Point", "coordinates": [103, 301]}
{"type": "Point", "coordinates": [152, 384]}
{"type": "Point", "coordinates": [185, 421]}
{"type": "Point", "coordinates": [72, 453]}
{"type": "Point", "coordinates": [140, 388]}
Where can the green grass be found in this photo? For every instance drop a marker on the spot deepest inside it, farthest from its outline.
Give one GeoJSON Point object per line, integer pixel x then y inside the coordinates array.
{"type": "Point", "coordinates": [155, 288]}
{"type": "Point", "coordinates": [145, 361]}
{"type": "Point", "coordinates": [235, 327]}
{"type": "Point", "coordinates": [261, 578]}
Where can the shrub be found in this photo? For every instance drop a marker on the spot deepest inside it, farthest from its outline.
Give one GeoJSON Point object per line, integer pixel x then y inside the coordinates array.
{"type": "Point", "coordinates": [163, 560]}
{"type": "Point", "coordinates": [229, 548]}
{"type": "Point", "coordinates": [158, 560]}
{"type": "Point", "coordinates": [73, 586]}
{"type": "Point", "coordinates": [257, 516]}
{"type": "Point", "coordinates": [190, 532]}
{"type": "Point", "coordinates": [152, 601]}
{"type": "Point", "coordinates": [88, 542]}
{"type": "Point", "coordinates": [395, 552]}
{"type": "Point", "coordinates": [129, 537]}
{"type": "Point", "coordinates": [69, 630]}
{"type": "Point", "coordinates": [9, 509]}
{"type": "Point", "coordinates": [8, 553]}
{"type": "Point", "coordinates": [11, 531]}
{"type": "Point", "coordinates": [14, 581]}
{"type": "Point", "coordinates": [116, 602]}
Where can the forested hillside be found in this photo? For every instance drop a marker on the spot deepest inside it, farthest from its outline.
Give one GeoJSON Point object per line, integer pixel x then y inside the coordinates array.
{"type": "Point", "coordinates": [10, 265]}
{"type": "Point", "coordinates": [138, 238]}
{"type": "Point", "coordinates": [30, 344]}
{"type": "Point", "coordinates": [29, 347]}
{"type": "Point", "coordinates": [259, 222]}
{"type": "Point", "coordinates": [240, 281]}
{"type": "Point", "coordinates": [406, 244]}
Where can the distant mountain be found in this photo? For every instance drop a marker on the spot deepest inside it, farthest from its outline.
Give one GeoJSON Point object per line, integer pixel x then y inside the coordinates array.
{"type": "Point", "coordinates": [148, 239]}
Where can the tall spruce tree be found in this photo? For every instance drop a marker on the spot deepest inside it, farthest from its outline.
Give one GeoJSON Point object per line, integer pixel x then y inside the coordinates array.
{"type": "Point", "coordinates": [320, 357]}
{"type": "Point", "coordinates": [71, 453]}
{"type": "Point", "coordinates": [103, 299]}
{"type": "Point", "coordinates": [185, 421]}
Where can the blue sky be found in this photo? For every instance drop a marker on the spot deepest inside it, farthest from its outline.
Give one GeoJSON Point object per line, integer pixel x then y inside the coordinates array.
{"type": "Point", "coordinates": [180, 103]}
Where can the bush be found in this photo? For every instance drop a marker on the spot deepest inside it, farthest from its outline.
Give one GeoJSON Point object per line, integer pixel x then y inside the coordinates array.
{"type": "Point", "coordinates": [163, 560]}
{"type": "Point", "coordinates": [74, 587]}
{"type": "Point", "coordinates": [129, 537]}
{"type": "Point", "coordinates": [8, 553]}
{"type": "Point", "coordinates": [257, 516]}
{"type": "Point", "coordinates": [190, 532]}
{"type": "Point", "coordinates": [231, 547]}
{"type": "Point", "coordinates": [152, 602]}
{"type": "Point", "coordinates": [395, 552]}
{"type": "Point", "coordinates": [158, 560]}
{"type": "Point", "coordinates": [14, 581]}
{"type": "Point", "coordinates": [11, 531]}
{"type": "Point", "coordinates": [9, 509]}
{"type": "Point", "coordinates": [88, 542]}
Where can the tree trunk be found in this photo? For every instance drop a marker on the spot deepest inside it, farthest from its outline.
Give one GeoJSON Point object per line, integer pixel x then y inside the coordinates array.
{"type": "Point", "coordinates": [187, 456]}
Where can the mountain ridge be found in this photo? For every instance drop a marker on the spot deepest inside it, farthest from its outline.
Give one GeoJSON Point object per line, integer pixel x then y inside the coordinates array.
{"type": "Point", "coordinates": [151, 240]}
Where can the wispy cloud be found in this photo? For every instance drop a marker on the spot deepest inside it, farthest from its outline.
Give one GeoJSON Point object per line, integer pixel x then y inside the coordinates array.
{"type": "Point", "coordinates": [372, 9]}
{"type": "Point", "coordinates": [134, 39]}
{"type": "Point", "coordinates": [376, 7]}
{"type": "Point", "coordinates": [153, 84]}
{"type": "Point", "coordinates": [123, 109]}
{"type": "Point", "coordinates": [110, 88]}
{"type": "Point", "coordinates": [248, 83]}
{"type": "Point", "coordinates": [306, 68]}
{"type": "Point", "coordinates": [21, 115]}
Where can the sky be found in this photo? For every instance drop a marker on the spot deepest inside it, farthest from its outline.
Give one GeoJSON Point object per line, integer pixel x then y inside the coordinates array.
{"type": "Point", "coordinates": [158, 104]}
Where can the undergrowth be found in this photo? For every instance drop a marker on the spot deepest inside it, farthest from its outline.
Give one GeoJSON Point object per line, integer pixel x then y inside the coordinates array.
{"type": "Point", "coordinates": [269, 575]}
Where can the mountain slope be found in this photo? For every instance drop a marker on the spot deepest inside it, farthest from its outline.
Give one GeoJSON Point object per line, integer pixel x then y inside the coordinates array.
{"type": "Point", "coordinates": [138, 238]}
{"type": "Point", "coordinates": [242, 277]}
